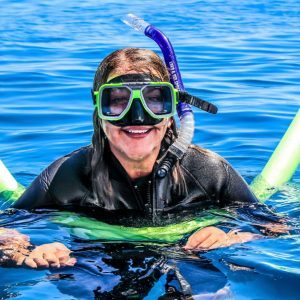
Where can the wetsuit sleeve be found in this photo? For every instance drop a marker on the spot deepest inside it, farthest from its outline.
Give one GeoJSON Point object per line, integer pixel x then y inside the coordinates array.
{"type": "Point", "coordinates": [237, 190]}
{"type": "Point", "coordinates": [38, 193]}
{"type": "Point", "coordinates": [238, 194]}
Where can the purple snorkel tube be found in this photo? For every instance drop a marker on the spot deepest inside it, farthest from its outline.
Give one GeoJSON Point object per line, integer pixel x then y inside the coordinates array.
{"type": "Point", "coordinates": [185, 113]}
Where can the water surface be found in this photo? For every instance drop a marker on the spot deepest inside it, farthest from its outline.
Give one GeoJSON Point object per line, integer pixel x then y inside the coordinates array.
{"type": "Point", "coordinates": [242, 56]}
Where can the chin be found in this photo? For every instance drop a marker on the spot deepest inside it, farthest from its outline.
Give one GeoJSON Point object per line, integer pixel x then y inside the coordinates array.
{"type": "Point", "coordinates": [137, 155]}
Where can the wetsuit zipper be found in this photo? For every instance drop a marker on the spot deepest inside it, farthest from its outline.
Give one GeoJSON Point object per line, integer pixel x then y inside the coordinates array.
{"type": "Point", "coordinates": [146, 203]}
{"type": "Point", "coordinates": [154, 206]}
{"type": "Point", "coordinates": [148, 197]}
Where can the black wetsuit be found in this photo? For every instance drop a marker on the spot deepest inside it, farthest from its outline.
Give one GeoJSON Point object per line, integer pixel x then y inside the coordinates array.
{"type": "Point", "coordinates": [204, 180]}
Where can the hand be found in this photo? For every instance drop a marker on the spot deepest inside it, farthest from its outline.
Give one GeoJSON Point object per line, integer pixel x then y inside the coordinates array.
{"type": "Point", "coordinates": [276, 227]}
{"type": "Point", "coordinates": [15, 251]}
{"type": "Point", "coordinates": [13, 238]}
{"type": "Point", "coordinates": [12, 243]}
{"type": "Point", "coordinates": [48, 255]}
{"type": "Point", "coordinates": [212, 237]}
{"type": "Point", "coordinates": [206, 238]}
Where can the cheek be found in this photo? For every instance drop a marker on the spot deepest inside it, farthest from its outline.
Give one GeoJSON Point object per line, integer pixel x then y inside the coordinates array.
{"type": "Point", "coordinates": [110, 131]}
{"type": "Point", "coordinates": [164, 128]}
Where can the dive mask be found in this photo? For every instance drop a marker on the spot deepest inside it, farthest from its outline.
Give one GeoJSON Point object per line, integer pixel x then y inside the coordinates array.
{"type": "Point", "coordinates": [137, 99]}
{"type": "Point", "coordinates": [114, 100]}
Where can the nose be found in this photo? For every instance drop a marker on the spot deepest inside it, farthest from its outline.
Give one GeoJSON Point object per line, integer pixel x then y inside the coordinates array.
{"type": "Point", "coordinates": [137, 113]}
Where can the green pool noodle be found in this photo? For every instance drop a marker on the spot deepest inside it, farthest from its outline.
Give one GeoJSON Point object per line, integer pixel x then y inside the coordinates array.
{"type": "Point", "coordinates": [10, 189]}
{"type": "Point", "coordinates": [92, 229]}
{"type": "Point", "coordinates": [282, 164]}
{"type": "Point", "coordinates": [7, 181]}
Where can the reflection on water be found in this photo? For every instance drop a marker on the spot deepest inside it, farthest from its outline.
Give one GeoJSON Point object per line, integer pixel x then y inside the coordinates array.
{"type": "Point", "coordinates": [155, 270]}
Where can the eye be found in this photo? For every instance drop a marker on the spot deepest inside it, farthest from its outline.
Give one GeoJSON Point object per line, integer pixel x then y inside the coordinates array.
{"type": "Point", "coordinates": [154, 99]}
{"type": "Point", "coordinates": [118, 101]}
{"type": "Point", "coordinates": [153, 94]}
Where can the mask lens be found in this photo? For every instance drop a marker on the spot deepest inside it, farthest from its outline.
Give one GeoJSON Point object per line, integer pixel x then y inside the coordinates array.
{"type": "Point", "coordinates": [158, 99]}
{"type": "Point", "coordinates": [114, 100]}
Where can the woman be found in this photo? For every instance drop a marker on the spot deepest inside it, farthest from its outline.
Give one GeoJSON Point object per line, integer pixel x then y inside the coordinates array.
{"type": "Point", "coordinates": [116, 176]}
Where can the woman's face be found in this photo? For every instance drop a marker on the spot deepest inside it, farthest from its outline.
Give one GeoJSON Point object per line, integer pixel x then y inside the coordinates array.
{"type": "Point", "coordinates": [135, 142]}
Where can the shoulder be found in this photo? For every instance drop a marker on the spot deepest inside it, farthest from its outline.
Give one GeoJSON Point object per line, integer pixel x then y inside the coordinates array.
{"type": "Point", "coordinates": [216, 175]}
{"type": "Point", "coordinates": [68, 178]}
{"type": "Point", "coordinates": [209, 170]}
{"type": "Point", "coordinates": [73, 165]}
{"type": "Point", "coordinates": [42, 191]}
{"type": "Point", "coordinates": [78, 158]}
{"type": "Point", "coordinates": [200, 159]}
{"type": "Point", "coordinates": [73, 160]}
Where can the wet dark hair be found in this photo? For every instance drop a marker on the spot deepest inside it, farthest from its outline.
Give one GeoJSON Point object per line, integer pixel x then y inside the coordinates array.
{"type": "Point", "coordinates": [129, 59]}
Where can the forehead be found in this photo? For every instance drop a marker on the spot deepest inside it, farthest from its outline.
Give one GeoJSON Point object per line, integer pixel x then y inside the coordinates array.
{"type": "Point", "coordinates": [120, 72]}
{"type": "Point", "coordinates": [138, 77]}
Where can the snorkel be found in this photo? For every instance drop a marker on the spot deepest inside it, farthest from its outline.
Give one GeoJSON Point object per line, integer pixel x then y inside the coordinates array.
{"type": "Point", "coordinates": [185, 113]}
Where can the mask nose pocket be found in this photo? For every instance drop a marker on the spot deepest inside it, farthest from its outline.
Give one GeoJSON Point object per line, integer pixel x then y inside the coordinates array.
{"type": "Point", "coordinates": [137, 112]}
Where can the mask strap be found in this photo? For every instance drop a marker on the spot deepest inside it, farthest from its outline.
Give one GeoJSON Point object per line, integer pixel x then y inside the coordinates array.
{"type": "Point", "coordinates": [93, 97]}
{"type": "Point", "coordinates": [197, 102]}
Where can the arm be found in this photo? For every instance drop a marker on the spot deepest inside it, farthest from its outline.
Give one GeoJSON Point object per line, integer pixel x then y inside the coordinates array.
{"type": "Point", "coordinates": [15, 248]}
{"type": "Point", "coordinates": [236, 190]}
{"type": "Point", "coordinates": [249, 208]}
{"type": "Point", "coordinates": [237, 193]}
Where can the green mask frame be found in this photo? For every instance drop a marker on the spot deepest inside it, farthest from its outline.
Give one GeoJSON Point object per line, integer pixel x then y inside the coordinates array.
{"type": "Point", "coordinates": [114, 100]}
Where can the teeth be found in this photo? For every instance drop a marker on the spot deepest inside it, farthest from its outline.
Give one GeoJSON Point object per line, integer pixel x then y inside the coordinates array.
{"type": "Point", "coordinates": [137, 131]}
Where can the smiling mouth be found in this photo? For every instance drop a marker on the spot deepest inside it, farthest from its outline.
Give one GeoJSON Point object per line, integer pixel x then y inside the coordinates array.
{"type": "Point", "coordinates": [137, 133]}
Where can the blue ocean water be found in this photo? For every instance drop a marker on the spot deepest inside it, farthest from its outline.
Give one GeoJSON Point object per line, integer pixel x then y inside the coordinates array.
{"type": "Point", "coordinates": [241, 55]}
